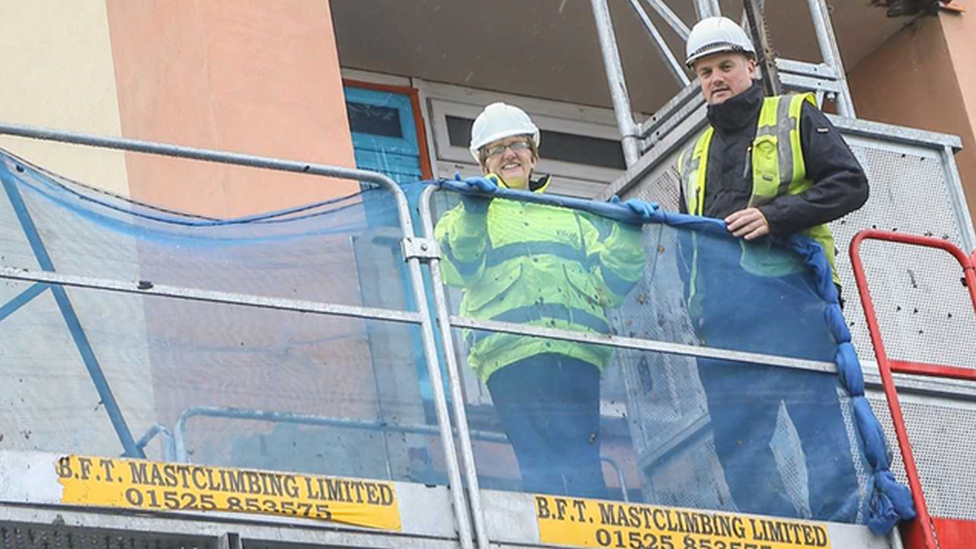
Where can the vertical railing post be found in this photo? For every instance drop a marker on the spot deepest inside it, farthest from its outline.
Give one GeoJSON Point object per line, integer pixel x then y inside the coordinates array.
{"type": "Point", "coordinates": [456, 486]}
{"type": "Point", "coordinates": [824, 28]}
{"type": "Point", "coordinates": [629, 132]}
{"type": "Point", "coordinates": [891, 394]}
{"type": "Point", "coordinates": [922, 530]}
{"type": "Point", "coordinates": [443, 314]}
{"type": "Point", "coordinates": [957, 197]}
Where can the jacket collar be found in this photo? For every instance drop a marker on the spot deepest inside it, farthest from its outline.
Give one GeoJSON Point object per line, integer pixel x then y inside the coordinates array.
{"type": "Point", "coordinates": [737, 112]}
{"type": "Point", "coordinates": [540, 185]}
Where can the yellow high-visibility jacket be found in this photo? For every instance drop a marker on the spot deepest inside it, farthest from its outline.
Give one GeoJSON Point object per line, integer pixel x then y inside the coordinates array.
{"type": "Point", "coordinates": [541, 265]}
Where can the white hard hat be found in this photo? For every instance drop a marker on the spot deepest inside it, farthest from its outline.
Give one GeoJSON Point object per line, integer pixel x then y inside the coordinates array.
{"type": "Point", "coordinates": [716, 35]}
{"type": "Point", "coordinates": [499, 121]}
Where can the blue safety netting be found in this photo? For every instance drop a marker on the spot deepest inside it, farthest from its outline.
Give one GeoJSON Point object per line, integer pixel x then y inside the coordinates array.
{"type": "Point", "coordinates": [714, 432]}
{"type": "Point", "coordinates": [91, 371]}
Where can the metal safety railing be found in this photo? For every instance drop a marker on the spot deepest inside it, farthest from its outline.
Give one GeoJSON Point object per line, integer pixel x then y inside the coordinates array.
{"type": "Point", "coordinates": [456, 439]}
{"type": "Point", "coordinates": [447, 322]}
{"type": "Point", "coordinates": [420, 318]}
{"type": "Point", "coordinates": [610, 340]}
{"type": "Point", "coordinates": [921, 532]}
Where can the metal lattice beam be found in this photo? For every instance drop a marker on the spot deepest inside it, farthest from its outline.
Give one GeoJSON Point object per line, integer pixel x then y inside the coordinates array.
{"type": "Point", "coordinates": [674, 66]}
{"type": "Point", "coordinates": [671, 18]}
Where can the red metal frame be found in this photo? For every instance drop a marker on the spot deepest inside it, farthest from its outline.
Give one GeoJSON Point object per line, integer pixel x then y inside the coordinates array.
{"type": "Point", "coordinates": [918, 533]}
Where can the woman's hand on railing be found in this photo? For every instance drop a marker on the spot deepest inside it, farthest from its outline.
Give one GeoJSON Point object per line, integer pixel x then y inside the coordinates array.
{"type": "Point", "coordinates": [644, 210]}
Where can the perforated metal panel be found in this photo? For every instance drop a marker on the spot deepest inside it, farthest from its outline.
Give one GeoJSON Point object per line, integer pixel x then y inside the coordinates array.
{"type": "Point", "coordinates": [925, 315]}
{"type": "Point", "coordinates": [923, 308]}
{"type": "Point", "coordinates": [663, 381]}
{"type": "Point", "coordinates": [941, 435]}
{"type": "Point", "coordinates": [661, 185]}
{"type": "Point", "coordinates": [923, 312]}
{"type": "Point", "coordinates": [673, 481]}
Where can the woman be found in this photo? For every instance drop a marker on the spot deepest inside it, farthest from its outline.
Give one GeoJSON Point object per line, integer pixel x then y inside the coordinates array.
{"type": "Point", "coordinates": [545, 266]}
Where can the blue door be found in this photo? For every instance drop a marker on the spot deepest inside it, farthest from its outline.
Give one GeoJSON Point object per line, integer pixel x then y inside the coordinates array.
{"type": "Point", "coordinates": [384, 135]}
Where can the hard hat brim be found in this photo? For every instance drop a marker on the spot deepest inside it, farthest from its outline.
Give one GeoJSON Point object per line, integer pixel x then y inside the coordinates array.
{"type": "Point", "coordinates": [713, 49]}
{"type": "Point", "coordinates": [498, 136]}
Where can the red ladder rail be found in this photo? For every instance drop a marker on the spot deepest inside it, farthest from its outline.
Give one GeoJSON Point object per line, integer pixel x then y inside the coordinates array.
{"type": "Point", "coordinates": [919, 533]}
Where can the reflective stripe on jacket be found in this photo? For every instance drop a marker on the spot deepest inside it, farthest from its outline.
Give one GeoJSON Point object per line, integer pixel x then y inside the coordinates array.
{"type": "Point", "coordinates": [540, 265]}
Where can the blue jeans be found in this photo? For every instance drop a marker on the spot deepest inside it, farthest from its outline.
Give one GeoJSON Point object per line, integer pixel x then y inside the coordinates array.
{"type": "Point", "coordinates": [549, 406]}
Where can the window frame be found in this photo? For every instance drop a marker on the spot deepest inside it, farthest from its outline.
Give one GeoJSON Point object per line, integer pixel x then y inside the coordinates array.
{"type": "Point", "coordinates": [415, 106]}
{"type": "Point", "coordinates": [442, 108]}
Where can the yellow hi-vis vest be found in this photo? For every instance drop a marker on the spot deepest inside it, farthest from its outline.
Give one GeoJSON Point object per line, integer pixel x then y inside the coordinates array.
{"type": "Point", "coordinates": [777, 169]}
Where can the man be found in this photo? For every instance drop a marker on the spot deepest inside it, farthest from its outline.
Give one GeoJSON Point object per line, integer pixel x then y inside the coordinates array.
{"type": "Point", "coordinates": [545, 266]}
{"type": "Point", "coordinates": [767, 167]}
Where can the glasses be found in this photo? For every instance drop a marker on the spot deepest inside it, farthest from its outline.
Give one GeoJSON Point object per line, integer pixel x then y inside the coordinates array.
{"type": "Point", "coordinates": [500, 149]}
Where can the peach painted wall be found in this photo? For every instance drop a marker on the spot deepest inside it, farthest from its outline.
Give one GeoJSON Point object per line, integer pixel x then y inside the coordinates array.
{"type": "Point", "coordinates": [924, 77]}
{"type": "Point", "coordinates": [245, 76]}
{"type": "Point", "coordinates": [262, 78]}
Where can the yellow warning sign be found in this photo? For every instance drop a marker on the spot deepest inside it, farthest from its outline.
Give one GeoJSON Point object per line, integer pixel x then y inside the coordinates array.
{"type": "Point", "coordinates": [150, 485]}
{"type": "Point", "coordinates": [592, 523]}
